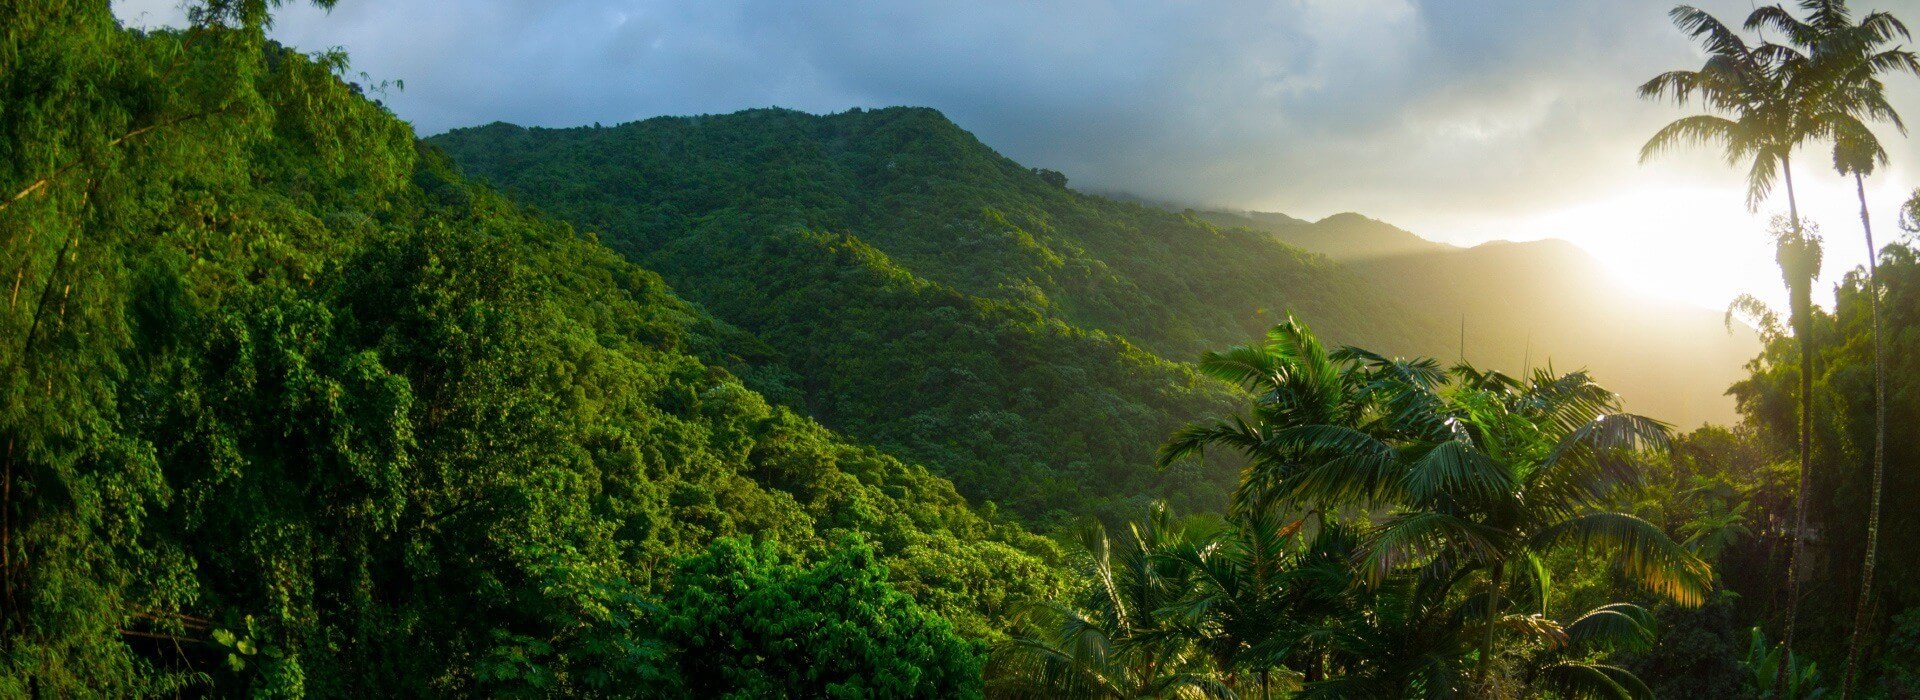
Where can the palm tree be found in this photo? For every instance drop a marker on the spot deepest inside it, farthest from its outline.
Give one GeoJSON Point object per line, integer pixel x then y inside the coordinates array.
{"type": "Point", "coordinates": [1294, 381]}
{"type": "Point", "coordinates": [1492, 474]}
{"type": "Point", "coordinates": [1797, 251]}
{"type": "Point", "coordinates": [1124, 643]}
{"type": "Point", "coordinates": [1848, 59]}
{"type": "Point", "coordinates": [1248, 593]}
{"type": "Point", "coordinates": [1749, 112]}
{"type": "Point", "coordinates": [1476, 473]}
{"type": "Point", "coordinates": [1761, 108]}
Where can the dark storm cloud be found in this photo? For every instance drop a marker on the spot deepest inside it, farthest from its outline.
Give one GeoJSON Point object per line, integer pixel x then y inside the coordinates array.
{"type": "Point", "coordinates": [1420, 111]}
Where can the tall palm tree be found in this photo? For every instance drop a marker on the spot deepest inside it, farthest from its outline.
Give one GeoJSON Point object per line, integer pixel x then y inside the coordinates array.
{"type": "Point", "coordinates": [1759, 109]}
{"type": "Point", "coordinates": [1848, 59]}
{"type": "Point", "coordinates": [1749, 113]}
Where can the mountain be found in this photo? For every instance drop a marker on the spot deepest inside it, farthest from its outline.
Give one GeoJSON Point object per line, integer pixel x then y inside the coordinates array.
{"type": "Point", "coordinates": [938, 299]}
{"type": "Point", "coordinates": [1528, 304]}
{"type": "Point", "coordinates": [1344, 237]}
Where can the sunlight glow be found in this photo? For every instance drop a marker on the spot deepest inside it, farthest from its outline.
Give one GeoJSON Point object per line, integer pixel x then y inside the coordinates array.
{"type": "Point", "coordinates": [1698, 244]}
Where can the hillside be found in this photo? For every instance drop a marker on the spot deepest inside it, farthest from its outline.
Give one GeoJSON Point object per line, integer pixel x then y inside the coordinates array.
{"type": "Point", "coordinates": [292, 408]}
{"type": "Point", "coordinates": [1537, 302]}
{"type": "Point", "coordinates": [938, 299]}
{"type": "Point", "coordinates": [940, 203]}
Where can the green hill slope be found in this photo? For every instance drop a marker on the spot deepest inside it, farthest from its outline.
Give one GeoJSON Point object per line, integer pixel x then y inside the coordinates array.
{"type": "Point", "coordinates": [941, 204]}
{"type": "Point", "coordinates": [935, 297]}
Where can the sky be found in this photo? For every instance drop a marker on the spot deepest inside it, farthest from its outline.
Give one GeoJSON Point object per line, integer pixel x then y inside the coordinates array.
{"type": "Point", "coordinates": [1460, 120]}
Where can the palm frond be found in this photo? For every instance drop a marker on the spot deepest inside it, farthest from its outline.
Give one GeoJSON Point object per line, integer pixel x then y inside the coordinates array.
{"type": "Point", "coordinates": [1882, 27]}
{"type": "Point", "coordinates": [1247, 366]}
{"type": "Point", "coordinates": [1613, 627]}
{"type": "Point", "coordinates": [1454, 469]}
{"type": "Point", "coordinates": [1761, 175]}
{"type": "Point", "coordinates": [1610, 434]}
{"type": "Point", "coordinates": [1777, 18]}
{"type": "Point", "coordinates": [1639, 549]}
{"type": "Point", "coordinates": [1193, 440]}
{"type": "Point", "coordinates": [1575, 679]}
{"type": "Point", "coordinates": [1360, 478]}
{"type": "Point", "coordinates": [1073, 658]}
{"type": "Point", "coordinates": [1695, 130]}
{"type": "Point", "coordinates": [1534, 626]}
{"type": "Point", "coordinates": [1415, 539]}
{"type": "Point", "coordinates": [1713, 34]}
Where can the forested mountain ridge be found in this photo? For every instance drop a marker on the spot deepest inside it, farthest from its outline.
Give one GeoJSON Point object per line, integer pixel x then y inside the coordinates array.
{"type": "Point", "coordinates": [1344, 237]}
{"type": "Point", "coordinates": [291, 408]}
{"type": "Point", "coordinates": [1535, 302]}
{"type": "Point", "coordinates": [936, 298]}
{"type": "Point", "coordinates": [932, 197]}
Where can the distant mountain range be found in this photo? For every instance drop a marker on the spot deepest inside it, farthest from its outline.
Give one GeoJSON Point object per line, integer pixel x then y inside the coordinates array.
{"type": "Point", "coordinates": [1537, 302]}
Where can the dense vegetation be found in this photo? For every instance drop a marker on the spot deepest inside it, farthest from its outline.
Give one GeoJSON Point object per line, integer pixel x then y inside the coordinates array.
{"type": "Point", "coordinates": [1821, 83]}
{"type": "Point", "coordinates": [936, 298]}
{"type": "Point", "coordinates": [290, 407]}
{"type": "Point", "coordinates": [1839, 489]}
{"type": "Point", "coordinates": [1426, 506]}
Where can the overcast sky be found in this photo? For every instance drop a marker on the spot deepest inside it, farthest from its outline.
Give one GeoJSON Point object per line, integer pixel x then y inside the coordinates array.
{"type": "Point", "coordinates": [1460, 120]}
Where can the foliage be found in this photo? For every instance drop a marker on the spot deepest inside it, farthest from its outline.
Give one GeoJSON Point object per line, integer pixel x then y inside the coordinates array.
{"type": "Point", "coordinates": [1899, 663]}
{"type": "Point", "coordinates": [289, 407]}
{"type": "Point", "coordinates": [1126, 638]}
{"type": "Point", "coordinates": [1420, 483]}
{"type": "Point", "coordinates": [745, 624]}
{"type": "Point", "coordinates": [1839, 494]}
{"type": "Point", "coordinates": [1798, 680]}
{"type": "Point", "coordinates": [1476, 469]}
{"type": "Point", "coordinates": [1700, 653]}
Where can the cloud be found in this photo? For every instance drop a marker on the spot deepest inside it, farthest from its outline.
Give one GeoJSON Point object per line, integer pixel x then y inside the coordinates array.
{"type": "Point", "coordinates": [1459, 119]}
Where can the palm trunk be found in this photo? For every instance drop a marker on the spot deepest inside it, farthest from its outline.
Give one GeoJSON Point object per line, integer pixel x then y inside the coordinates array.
{"type": "Point", "coordinates": [1493, 609]}
{"type": "Point", "coordinates": [1801, 302]}
{"type": "Point", "coordinates": [1865, 603]}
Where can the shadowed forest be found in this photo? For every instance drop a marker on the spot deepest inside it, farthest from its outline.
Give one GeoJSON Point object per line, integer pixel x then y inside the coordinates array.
{"type": "Point", "coordinates": [297, 402]}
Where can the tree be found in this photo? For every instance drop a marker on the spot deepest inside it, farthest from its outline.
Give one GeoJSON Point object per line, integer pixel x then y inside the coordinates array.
{"type": "Point", "coordinates": [1845, 60]}
{"type": "Point", "coordinates": [1748, 109]}
{"type": "Point", "coordinates": [1052, 177]}
{"type": "Point", "coordinates": [288, 406]}
{"type": "Point", "coordinates": [746, 624]}
{"type": "Point", "coordinates": [1256, 591]}
{"type": "Point", "coordinates": [1126, 640]}
{"type": "Point", "coordinates": [1473, 471]}
{"type": "Point", "coordinates": [1762, 104]}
